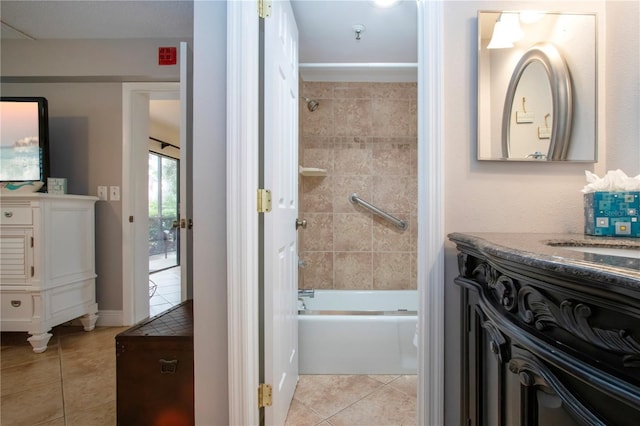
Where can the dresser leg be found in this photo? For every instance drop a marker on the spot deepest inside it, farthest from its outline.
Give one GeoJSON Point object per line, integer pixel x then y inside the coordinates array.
{"type": "Point", "coordinates": [89, 321]}
{"type": "Point", "coordinates": [39, 342]}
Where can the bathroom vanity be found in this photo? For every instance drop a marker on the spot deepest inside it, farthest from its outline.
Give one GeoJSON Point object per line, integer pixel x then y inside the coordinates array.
{"type": "Point", "coordinates": [551, 329]}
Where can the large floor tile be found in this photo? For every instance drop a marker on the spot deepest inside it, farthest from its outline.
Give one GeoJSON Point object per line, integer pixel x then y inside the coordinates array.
{"type": "Point", "coordinates": [23, 377]}
{"type": "Point", "coordinates": [101, 415]}
{"type": "Point", "coordinates": [386, 407]}
{"type": "Point", "coordinates": [406, 384]}
{"type": "Point", "coordinates": [328, 394]}
{"type": "Point", "coordinates": [301, 415]}
{"type": "Point", "coordinates": [37, 405]}
{"type": "Point", "coordinates": [16, 350]}
{"type": "Point", "coordinates": [84, 393]}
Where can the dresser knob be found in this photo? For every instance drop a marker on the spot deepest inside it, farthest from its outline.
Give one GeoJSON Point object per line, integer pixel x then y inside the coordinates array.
{"type": "Point", "coordinates": [8, 214]}
{"type": "Point", "coordinates": [16, 303]}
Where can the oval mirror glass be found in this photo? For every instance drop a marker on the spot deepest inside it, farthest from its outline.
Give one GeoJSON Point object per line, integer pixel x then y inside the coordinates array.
{"type": "Point", "coordinates": [540, 83]}
{"type": "Point", "coordinates": [515, 61]}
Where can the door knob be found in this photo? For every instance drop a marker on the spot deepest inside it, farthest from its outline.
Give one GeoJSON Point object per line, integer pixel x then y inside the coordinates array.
{"type": "Point", "coordinates": [301, 224]}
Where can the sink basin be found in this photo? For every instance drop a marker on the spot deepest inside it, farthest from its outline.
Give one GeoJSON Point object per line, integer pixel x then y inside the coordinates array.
{"type": "Point", "coordinates": [630, 252]}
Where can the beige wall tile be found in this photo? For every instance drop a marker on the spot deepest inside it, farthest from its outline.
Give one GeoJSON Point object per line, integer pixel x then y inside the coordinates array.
{"type": "Point", "coordinates": [317, 194]}
{"type": "Point", "coordinates": [391, 271]}
{"type": "Point", "coordinates": [352, 231]}
{"type": "Point", "coordinates": [391, 159]}
{"type": "Point", "coordinates": [318, 269]}
{"type": "Point", "coordinates": [405, 91]}
{"type": "Point", "coordinates": [352, 117]}
{"type": "Point", "coordinates": [362, 92]}
{"type": "Point", "coordinates": [391, 193]}
{"type": "Point", "coordinates": [344, 186]}
{"type": "Point", "coordinates": [391, 117]}
{"type": "Point", "coordinates": [387, 237]}
{"type": "Point", "coordinates": [317, 90]}
{"type": "Point", "coordinates": [318, 236]}
{"type": "Point", "coordinates": [352, 271]}
{"type": "Point", "coordinates": [317, 157]}
{"type": "Point", "coordinates": [352, 158]}
{"type": "Point", "coordinates": [318, 122]}
{"type": "Point", "coordinates": [368, 144]}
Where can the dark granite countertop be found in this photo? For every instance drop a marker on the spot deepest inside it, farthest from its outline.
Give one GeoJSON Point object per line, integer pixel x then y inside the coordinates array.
{"type": "Point", "coordinates": [551, 253]}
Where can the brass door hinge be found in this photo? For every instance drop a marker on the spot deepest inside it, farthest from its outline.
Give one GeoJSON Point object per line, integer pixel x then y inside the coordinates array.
{"type": "Point", "coordinates": [264, 8]}
{"type": "Point", "coordinates": [264, 200]}
{"type": "Point", "coordinates": [264, 395]}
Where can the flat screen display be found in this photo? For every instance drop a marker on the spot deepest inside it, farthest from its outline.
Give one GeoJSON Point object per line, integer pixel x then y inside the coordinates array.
{"type": "Point", "coordinates": [23, 139]}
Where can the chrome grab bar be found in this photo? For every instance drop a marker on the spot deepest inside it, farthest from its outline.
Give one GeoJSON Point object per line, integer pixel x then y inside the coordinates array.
{"type": "Point", "coordinates": [397, 222]}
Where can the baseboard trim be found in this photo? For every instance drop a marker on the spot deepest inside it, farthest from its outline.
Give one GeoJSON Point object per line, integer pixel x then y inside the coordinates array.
{"type": "Point", "coordinates": [110, 319]}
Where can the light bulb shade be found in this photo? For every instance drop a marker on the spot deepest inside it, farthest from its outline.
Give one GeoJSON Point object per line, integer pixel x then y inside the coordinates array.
{"type": "Point", "coordinates": [512, 22]}
{"type": "Point", "coordinates": [501, 38]}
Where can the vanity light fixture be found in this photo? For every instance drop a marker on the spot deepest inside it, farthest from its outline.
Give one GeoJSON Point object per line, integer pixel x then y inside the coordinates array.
{"type": "Point", "coordinates": [385, 3]}
{"type": "Point", "coordinates": [500, 38]}
{"type": "Point", "coordinates": [530, 16]}
{"type": "Point", "coordinates": [512, 22]}
{"type": "Point", "coordinates": [506, 31]}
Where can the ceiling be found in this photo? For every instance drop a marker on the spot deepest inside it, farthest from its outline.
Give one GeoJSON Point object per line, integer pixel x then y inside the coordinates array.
{"type": "Point", "coordinates": [324, 26]}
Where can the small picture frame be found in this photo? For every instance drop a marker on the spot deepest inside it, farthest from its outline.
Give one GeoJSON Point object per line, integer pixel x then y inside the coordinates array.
{"type": "Point", "coordinates": [57, 185]}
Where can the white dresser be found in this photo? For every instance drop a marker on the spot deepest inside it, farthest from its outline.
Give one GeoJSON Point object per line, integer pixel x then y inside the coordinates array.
{"type": "Point", "coordinates": [47, 263]}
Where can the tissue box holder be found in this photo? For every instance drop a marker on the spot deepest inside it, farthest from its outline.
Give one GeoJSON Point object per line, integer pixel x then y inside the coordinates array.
{"type": "Point", "coordinates": [613, 214]}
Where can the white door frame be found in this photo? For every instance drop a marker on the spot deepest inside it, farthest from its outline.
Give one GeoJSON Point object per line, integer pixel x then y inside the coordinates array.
{"type": "Point", "coordinates": [242, 219]}
{"type": "Point", "coordinates": [135, 291]}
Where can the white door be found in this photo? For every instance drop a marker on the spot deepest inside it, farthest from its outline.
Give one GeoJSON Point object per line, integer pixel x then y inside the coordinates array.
{"type": "Point", "coordinates": [281, 177]}
{"type": "Point", "coordinates": [186, 181]}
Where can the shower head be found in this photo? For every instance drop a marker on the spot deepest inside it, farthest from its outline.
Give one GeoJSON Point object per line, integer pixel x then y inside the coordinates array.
{"type": "Point", "coordinates": [312, 104]}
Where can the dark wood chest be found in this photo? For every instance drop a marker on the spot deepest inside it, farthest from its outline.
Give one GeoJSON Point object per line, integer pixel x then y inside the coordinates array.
{"type": "Point", "coordinates": [154, 370]}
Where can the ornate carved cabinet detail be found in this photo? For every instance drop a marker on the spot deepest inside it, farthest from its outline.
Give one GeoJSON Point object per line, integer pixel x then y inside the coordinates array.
{"type": "Point", "coordinates": [547, 339]}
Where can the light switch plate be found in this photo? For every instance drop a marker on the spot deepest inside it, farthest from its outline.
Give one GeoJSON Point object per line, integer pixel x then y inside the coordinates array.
{"type": "Point", "coordinates": [114, 193]}
{"type": "Point", "coordinates": [102, 193]}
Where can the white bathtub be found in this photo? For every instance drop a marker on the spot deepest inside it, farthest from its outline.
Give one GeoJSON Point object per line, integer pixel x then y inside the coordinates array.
{"type": "Point", "coordinates": [358, 332]}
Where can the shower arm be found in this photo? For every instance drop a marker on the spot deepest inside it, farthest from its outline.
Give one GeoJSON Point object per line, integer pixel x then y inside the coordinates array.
{"type": "Point", "coordinates": [373, 209]}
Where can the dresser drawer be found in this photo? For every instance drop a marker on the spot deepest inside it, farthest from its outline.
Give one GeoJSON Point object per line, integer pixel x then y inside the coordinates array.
{"type": "Point", "coordinates": [16, 306]}
{"type": "Point", "coordinates": [16, 216]}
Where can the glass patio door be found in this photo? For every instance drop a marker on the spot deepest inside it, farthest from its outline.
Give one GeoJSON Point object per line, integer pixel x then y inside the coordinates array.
{"type": "Point", "coordinates": [164, 190]}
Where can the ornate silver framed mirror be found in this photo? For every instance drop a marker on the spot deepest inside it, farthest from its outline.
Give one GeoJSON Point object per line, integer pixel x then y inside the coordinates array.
{"type": "Point", "coordinates": [537, 86]}
{"type": "Point", "coordinates": [541, 76]}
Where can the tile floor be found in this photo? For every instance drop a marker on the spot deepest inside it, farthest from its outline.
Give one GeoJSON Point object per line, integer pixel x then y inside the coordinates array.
{"type": "Point", "coordinates": [354, 400]}
{"type": "Point", "coordinates": [73, 383]}
{"type": "Point", "coordinates": [164, 290]}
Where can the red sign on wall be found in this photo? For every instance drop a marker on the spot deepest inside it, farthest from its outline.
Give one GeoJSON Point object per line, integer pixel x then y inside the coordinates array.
{"type": "Point", "coordinates": [167, 56]}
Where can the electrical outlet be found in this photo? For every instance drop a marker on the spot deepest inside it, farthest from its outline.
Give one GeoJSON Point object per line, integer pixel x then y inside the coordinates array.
{"type": "Point", "coordinates": [102, 193]}
{"type": "Point", "coordinates": [114, 193]}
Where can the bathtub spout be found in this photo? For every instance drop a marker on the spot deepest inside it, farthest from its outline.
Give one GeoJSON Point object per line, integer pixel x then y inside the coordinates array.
{"type": "Point", "coordinates": [301, 305]}
{"type": "Point", "coordinates": [306, 292]}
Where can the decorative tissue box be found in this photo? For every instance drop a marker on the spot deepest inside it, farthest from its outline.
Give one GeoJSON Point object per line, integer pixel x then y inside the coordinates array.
{"type": "Point", "coordinates": [615, 214]}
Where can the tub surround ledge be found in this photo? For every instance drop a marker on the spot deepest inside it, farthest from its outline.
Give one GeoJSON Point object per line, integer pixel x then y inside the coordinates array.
{"type": "Point", "coordinates": [566, 323]}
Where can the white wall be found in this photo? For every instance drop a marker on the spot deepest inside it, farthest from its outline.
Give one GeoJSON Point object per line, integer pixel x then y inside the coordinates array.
{"type": "Point", "coordinates": [499, 197]}
{"type": "Point", "coordinates": [623, 86]}
{"type": "Point", "coordinates": [209, 213]}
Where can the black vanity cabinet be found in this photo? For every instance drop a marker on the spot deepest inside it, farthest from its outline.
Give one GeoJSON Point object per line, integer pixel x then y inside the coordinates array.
{"type": "Point", "coordinates": [551, 336]}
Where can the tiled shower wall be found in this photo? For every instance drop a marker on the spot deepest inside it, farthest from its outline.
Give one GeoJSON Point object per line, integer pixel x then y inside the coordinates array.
{"type": "Point", "coordinates": [365, 136]}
